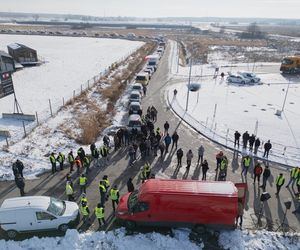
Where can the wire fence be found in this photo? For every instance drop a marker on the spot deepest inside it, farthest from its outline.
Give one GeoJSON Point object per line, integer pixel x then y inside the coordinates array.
{"type": "Point", "coordinates": [223, 135]}
{"type": "Point", "coordinates": [53, 106]}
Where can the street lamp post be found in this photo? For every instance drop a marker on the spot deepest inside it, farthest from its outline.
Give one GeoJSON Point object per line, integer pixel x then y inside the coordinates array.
{"type": "Point", "coordinates": [188, 88]}
{"type": "Point", "coordinates": [286, 93]}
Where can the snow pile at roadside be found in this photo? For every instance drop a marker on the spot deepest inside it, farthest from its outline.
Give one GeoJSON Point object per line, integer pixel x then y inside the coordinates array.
{"type": "Point", "coordinates": [117, 239]}
{"type": "Point", "coordinates": [236, 240]}
{"type": "Point", "coordinates": [101, 240]}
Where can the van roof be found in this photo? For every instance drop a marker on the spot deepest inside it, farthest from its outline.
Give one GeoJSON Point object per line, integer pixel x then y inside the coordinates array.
{"type": "Point", "coordinates": [189, 187]}
{"type": "Point", "coordinates": [41, 202]}
{"type": "Point", "coordinates": [134, 117]}
{"type": "Point", "coordinates": [142, 74]}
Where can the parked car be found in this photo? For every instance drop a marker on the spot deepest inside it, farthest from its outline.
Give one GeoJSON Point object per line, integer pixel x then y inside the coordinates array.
{"type": "Point", "coordinates": [149, 72]}
{"type": "Point", "coordinates": [253, 78]}
{"type": "Point", "coordinates": [137, 87]}
{"type": "Point", "coordinates": [37, 213]}
{"type": "Point", "coordinates": [135, 96]}
{"type": "Point", "coordinates": [238, 79]}
{"type": "Point", "coordinates": [134, 121]}
{"type": "Point", "coordinates": [142, 78]}
{"type": "Point", "coordinates": [176, 203]}
{"type": "Point", "coordinates": [135, 108]}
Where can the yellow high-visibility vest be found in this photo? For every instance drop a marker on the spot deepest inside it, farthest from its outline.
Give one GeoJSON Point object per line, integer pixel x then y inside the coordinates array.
{"type": "Point", "coordinates": [83, 210]}
{"type": "Point", "coordinates": [69, 189]}
{"type": "Point", "coordinates": [99, 212]}
{"type": "Point", "coordinates": [114, 194]}
{"type": "Point", "coordinates": [82, 180]}
{"type": "Point", "coordinates": [280, 180]}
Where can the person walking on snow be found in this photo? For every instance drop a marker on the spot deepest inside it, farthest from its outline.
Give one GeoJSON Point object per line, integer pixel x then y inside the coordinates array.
{"type": "Point", "coordinates": [257, 172]}
{"type": "Point", "coordinates": [267, 148]}
{"type": "Point", "coordinates": [279, 183]}
{"type": "Point", "coordinates": [175, 138]}
{"type": "Point", "coordinates": [53, 162]}
{"type": "Point", "coordinates": [61, 159]}
{"type": "Point", "coordinates": [266, 175]}
{"type": "Point", "coordinates": [245, 139]}
{"type": "Point", "coordinates": [246, 164]}
{"type": "Point", "coordinates": [237, 136]}
{"type": "Point", "coordinates": [256, 145]}
{"type": "Point", "coordinates": [20, 167]}
{"type": "Point", "coordinates": [189, 157]}
{"type": "Point", "coordinates": [166, 127]}
{"type": "Point", "coordinates": [200, 154]}
{"type": "Point", "coordinates": [295, 174]}
{"type": "Point", "coordinates": [168, 141]}
{"type": "Point", "coordinates": [179, 155]}
{"type": "Point", "coordinates": [204, 166]}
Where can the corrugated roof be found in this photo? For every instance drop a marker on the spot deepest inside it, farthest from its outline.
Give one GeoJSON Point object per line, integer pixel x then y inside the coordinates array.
{"type": "Point", "coordinates": [189, 187]}
{"type": "Point", "coordinates": [14, 46]}
{"type": "Point", "coordinates": [3, 53]}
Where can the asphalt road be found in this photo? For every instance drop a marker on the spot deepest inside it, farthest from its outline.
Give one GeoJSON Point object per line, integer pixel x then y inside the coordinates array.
{"type": "Point", "coordinates": [118, 170]}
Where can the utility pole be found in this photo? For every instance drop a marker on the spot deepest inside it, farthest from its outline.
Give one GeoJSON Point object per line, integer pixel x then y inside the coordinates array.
{"type": "Point", "coordinates": [286, 93]}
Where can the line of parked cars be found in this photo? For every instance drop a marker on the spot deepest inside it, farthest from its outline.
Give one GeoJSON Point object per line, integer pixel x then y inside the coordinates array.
{"type": "Point", "coordinates": [137, 88]}
{"type": "Point", "coordinates": [243, 78]}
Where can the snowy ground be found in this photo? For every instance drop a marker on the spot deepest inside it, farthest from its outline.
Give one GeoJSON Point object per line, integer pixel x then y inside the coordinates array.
{"type": "Point", "coordinates": [117, 239]}
{"type": "Point", "coordinates": [219, 108]}
{"type": "Point", "coordinates": [69, 63]}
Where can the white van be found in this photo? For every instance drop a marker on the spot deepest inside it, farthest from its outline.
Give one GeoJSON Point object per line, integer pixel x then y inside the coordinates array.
{"type": "Point", "coordinates": [134, 121]}
{"type": "Point", "coordinates": [37, 213]}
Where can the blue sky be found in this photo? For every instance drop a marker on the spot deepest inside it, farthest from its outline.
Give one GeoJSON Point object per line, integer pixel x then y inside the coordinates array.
{"type": "Point", "coordinates": [160, 8]}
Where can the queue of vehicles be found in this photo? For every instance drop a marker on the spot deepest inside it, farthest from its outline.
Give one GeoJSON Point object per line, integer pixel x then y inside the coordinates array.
{"type": "Point", "coordinates": [243, 78]}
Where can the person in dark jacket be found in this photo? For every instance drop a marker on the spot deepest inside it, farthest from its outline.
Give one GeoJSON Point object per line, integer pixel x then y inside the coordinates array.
{"type": "Point", "coordinates": [256, 145]}
{"type": "Point", "coordinates": [266, 176]}
{"type": "Point", "coordinates": [15, 170]}
{"type": "Point", "coordinates": [20, 167]}
{"type": "Point", "coordinates": [245, 139]}
{"type": "Point", "coordinates": [237, 136]}
{"type": "Point", "coordinates": [81, 153]}
{"type": "Point", "coordinates": [204, 166]}
{"type": "Point", "coordinates": [251, 142]}
{"type": "Point", "coordinates": [130, 186]}
{"type": "Point", "coordinates": [175, 138]}
{"type": "Point", "coordinates": [168, 141]}
{"type": "Point", "coordinates": [179, 155]}
{"type": "Point", "coordinates": [166, 127]}
{"type": "Point", "coordinates": [20, 184]}
{"type": "Point", "coordinates": [267, 147]}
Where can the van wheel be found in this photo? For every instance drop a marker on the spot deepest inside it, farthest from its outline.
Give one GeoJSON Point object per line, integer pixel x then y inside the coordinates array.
{"type": "Point", "coordinates": [11, 234]}
{"type": "Point", "coordinates": [63, 227]}
{"type": "Point", "coordinates": [199, 229]}
{"type": "Point", "coordinates": [129, 224]}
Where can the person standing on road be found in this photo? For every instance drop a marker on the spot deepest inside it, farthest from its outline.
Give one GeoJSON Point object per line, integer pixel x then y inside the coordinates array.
{"type": "Point", "coordinates": [179, 155]}
{"type": "Point", "coordinates": [82, 183]}
{"type": "Point", "coordinates": [204, 166]}
{"type": "Point", "coordinates": [53, 162]}
{"type": "Point", "coordinates": [71, 160]}
{"type": "Point", "coordinates": [15, 170]}
{"type": "Point", "coordinates": [251, 142]}
{"type": "Point", "coordinates": [279, 183]}
{"type": "Point", "coordinates": [219, 157]}
{"type": "Point", "coordinates": [267, 148]}
{"type": "Point", "coordinates": [104, 155]}
{"type": "Point", "coordinates": [78, 165]}
{"type": "Point", "coordinates": [114, 195]}
{"type": "Point", "coordinates": [175, 92]}
{"type": "Point", "coordinates": [86, 164]}
{"type": "Point", "coordinates": [246, 164]}
{"type": "Point", "coordinates": [237, 136]}
{"type": "Point", "coordinates": [69, 191]}
{"type": "Point", "coordinates": [144, 90]}
{"type": "Point", "coordinates": [295, 174]}
{"type": "Point", "coordinates": [162, 148]}
{"type": "Point", "coordinates": [131, 153]}
{"type": "Point", "coordinates": [84, 209]}
{"type": "Point", "coordinates": [61, 159]}
{"type": "Point", "coordinates": [99, 213]}
{"type": "Point", "coordinates": [20, 184]}
{"type": "Point", "coordinates": [102, 190]}
{"type": "Point", "coordinates": [200, 154]}
{"type": "Point", "coordinates": [189, 157]}
{"type": "Point", "coordinates": [245, 139]}
{"type": "Point", "coordinates": [168, 141]}
{"type": "Point", "coordinates": [256, 145]}
{"type": "Point", "coordinates": [20, 167]}
{"type": "Point", "coordinates": [175, 138]}
{"type": "Point", "coordinates": [257, 172]}
{"type": "Point", "coordinates": [81, 153]}
{"type": "Point", "coordinates": [83, 198]}
{"type": "Point", "coordinates": [240, 212]}
{"type": "Point", "coordinates": [130, 186]}
{"type": "Point", "coordinates": [266, 175]}
{"type": "Point", "coordinates": [297, 210]}
{"type": "Point", "coordinates": [298, 184]}
{"type": "Point", "coordinates": [166, 127]}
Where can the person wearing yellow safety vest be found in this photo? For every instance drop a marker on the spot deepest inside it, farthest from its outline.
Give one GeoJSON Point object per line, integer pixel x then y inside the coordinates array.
{"type": "Point", "coordinates": [53, 162]}
{"type": "Point", "coordinates": [298, 208]}
{"type": "Point", "coordinates": [279, 183]}
{"type": "Point", "coordinates": [298, 184]}
{"type": "Point", "coordinates": [246, 164]}
{"type": "Point", "coordinates": [102, 190]}
{"type": "Point", "coordinates": [104, 151]}
{"type": "Point", "coordinates": [71, 160]}
{"type": "Point", "coordinates": [295, 174]}
{"type": "Point", "coordinates": [147, 169]}
{"type": "Point", "coordinates": [143, 175]}
{"type": "Point", "coordinates": [84, 210]}
{"type": "Point", "coordinates": [82, 183]}
{"type": "Point", "coordinates": [86, 164]}
{"type": "Point", "coordinates": [99, 213]}
{"type": "Point", "coordinates": [61, 159]}
{"type": "Point", "coordinates": [114, 195]}
{"type": "Point", "coordinates": [69, 191]}
{"type": "Point", "coordinates": [223, 169]}
{"type": "Point", "coordinates": [83, 198]}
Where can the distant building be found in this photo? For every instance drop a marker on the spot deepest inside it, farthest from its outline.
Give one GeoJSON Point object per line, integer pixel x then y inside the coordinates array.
{"type": "Point", "coordinates": [6, 62]}
{"type": "Point", "coordinates": [23, 54]}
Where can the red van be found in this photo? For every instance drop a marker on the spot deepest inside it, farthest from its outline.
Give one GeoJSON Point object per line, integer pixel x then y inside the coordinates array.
{"type": "Point", "coordinates": [176, 203]}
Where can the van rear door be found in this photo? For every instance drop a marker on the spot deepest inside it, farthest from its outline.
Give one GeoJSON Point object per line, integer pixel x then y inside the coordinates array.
{"type": "Point", "coordinates": [242, 191]}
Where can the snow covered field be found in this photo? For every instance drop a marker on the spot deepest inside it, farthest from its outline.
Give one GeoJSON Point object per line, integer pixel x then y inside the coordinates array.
{"type": "Point", "coordinates": [219, 108]}
{"type": "Point", "coordinates": [70, 62]}
{"type": "Point", "coordinates": [117, 239]}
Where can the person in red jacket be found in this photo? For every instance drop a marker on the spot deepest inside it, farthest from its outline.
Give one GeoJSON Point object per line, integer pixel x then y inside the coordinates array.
{"type": "Point", "coordinates": [257, 172]}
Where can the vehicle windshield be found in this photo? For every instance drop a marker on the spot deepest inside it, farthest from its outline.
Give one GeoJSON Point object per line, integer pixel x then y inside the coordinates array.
{"type": "Point", "coordinates": [141, 78]}
{"type": "Point", "coordinates": [134, 124]}
{"type": "Point", "coordinates": [137, 87]}
{"type": "Point", "coordinates": [56, 207]}
{"type": "Point", "coordinates": [287, 61]}
{"type": "Point", "coordinates": [132, 200]}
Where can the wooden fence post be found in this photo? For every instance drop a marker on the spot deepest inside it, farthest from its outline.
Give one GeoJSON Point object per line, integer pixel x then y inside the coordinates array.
{"type": "Point", "coordinates": [50, 108]}
{"type": "Point", "coordinates": [24, 128]}
{"type": "Point", "coordinates": [37, 118]}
